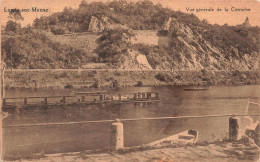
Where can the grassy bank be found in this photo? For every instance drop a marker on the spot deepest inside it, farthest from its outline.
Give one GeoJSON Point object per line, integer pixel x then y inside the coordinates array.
{"type": "Point", "coordinates": [60, 79]}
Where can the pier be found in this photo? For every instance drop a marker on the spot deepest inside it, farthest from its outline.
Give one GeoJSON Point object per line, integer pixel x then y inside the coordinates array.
{"type": "Point", "coordinates": [82, 98]}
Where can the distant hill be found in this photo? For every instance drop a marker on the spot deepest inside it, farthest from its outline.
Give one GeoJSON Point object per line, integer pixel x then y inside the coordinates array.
{"type": "Point", "coordinates": [119, 31]}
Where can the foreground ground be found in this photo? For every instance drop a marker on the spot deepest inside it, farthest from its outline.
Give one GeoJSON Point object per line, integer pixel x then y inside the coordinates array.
{"type": "Point", "coordinates": [216, 151]}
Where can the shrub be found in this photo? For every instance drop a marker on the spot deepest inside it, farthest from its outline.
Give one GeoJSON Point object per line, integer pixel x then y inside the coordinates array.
{"type": "Point", "coordinates": [92, 73]}
{"type": "Point", "coordinates": [139, 84]}
{"type": "Point", "coordinates": [164, 77]}
{"type": "Point", "coordinates": [58, 30]}
{"type": "Point", "coordinates": [115, 83]}
{"type": "Point", "coordinates": [68, 86]}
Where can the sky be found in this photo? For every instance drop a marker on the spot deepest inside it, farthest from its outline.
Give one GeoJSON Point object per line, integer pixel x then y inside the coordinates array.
{"type": "Point", "coordinates": [219, 17]}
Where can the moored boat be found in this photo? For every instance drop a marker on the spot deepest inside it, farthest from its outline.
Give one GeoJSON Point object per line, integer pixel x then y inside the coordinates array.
{"type": "Point", "coordinates": [185, 137]}
{"type": "Point", "coordinates": [197, 88]}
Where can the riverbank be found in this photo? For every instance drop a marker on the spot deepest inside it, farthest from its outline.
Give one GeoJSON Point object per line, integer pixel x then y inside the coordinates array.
{"type": "Point", "coordinates": [242, 150]}
{"type": "Point", "coordinates": [89, 78]}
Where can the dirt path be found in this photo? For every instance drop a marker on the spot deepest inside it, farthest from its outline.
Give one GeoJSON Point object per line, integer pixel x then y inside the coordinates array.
{"type": "Point", "coordinates": [218, 152]}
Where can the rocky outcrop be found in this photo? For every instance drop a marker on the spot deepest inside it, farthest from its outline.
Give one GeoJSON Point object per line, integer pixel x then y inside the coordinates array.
{"type": "Point", "coordinates": [145, 37]}
{"type": "Point", "coordinates": [95, 25]}
{"type": "Point", "coordinates": [98, 25]}
{"type": "Point", "coordinates": [194, 52]}
{"type": "Point", "coordinates": [134, 60]}
{"type": "Point", "coordinates": [246, 23]}
{"type": "Point", "coordinates": [166, 26]}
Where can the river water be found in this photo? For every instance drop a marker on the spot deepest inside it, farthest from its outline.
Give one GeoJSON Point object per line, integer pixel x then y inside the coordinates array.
{"type": "Point", "coordinates": [77, 137]}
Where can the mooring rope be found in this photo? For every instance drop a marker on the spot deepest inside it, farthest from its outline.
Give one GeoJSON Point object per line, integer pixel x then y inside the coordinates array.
{"type": "Point", "coordinates": [133, 119]}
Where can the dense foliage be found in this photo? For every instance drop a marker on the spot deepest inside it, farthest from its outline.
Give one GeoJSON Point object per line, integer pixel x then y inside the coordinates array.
{"type": "Point", "coordinates": [113, 43]}
{"type": "Point", "coordinates": [35, 50]}
{"type": "Point", "coordinates": [141, 15]}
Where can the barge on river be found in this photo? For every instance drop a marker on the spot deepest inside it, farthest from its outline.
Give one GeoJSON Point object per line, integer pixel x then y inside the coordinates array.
{"type": "Point", "coordinates": [82, 98]}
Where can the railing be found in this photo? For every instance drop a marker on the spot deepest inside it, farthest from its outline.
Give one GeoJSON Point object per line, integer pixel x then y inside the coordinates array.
{"type": "Point", "coordinates": [133, 119]}
{"type": "Point", "coordinates": [117, 137]}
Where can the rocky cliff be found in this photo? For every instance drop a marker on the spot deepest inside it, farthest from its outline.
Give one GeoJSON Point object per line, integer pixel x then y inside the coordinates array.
{"type": "Point", "coordinates": [183, 46]}
{"type": "Point", "coordinates": [191, 51]}
{"type": "Point", "coordinates": [134, 60]}
{"type": "Point", "coordinates": [98, 25]}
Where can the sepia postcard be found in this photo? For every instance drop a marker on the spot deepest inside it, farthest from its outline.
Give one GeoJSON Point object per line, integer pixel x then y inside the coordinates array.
{"type": "Point", "coordinates": [130, 80]}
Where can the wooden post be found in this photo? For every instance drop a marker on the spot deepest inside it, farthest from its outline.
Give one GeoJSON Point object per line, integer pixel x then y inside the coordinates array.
{"type": "Point", "coordinates": [234, 128]}
{"type": "Point", "coordinates": [82, 98]}
{"type": "Point", "coordinates": [25, 101]}
{"type": "Point", "coordinates": [143, 95]}
{"type": "Point", "coordinates": [156, 95]}
{"type": "Point", "coordinates": [119, 97]}
{"type": "Point", "coordinates": [149, 95]}
{"type": "Point", "coordinates": [135, 96]}
{"type": "Point", "coordinates": [4, 101]}
{"type": "Point", "coordinates": [45, 101]}
{"type": "Point", "coordinates": [3, 81]}
{"type": "Point", "coordinates": [63, 99]}
{"type": "Point", "coordinates": [139, 95]}
{"type": "Point", "coordinates": [117, 136]}
{"type": "Point", "coordinates": [101, 97]}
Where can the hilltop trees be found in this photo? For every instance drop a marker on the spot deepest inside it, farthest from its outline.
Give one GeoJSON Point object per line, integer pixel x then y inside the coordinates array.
{"type": "Point", "coordinates": [12, 24]}
{"type": "Point", "coordinates": [141, 15]}
{"type": "Point", "coordinates": [16, 16]}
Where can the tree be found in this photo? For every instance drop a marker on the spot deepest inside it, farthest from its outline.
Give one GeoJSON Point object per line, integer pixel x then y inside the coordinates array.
{"type": "Point", "coordinates": [12, 26]}
{"type": "Point", "coordinates": [12, 52]}
{"type": "Point", "coordinates": [16, 16]}
{"type": "Point", "coordinates": [114, 42]}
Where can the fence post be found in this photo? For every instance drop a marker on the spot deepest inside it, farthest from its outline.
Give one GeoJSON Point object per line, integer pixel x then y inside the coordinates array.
{"type": "Point", "coordinates": [25, 101]}
{"type": "Point", "coordinates": [234, 128]}
{"type": "Point", "coordinates": [4, 101]}
{"type": "Point", "coordinates": [63, 99]}
{"type": "Point", "coordinates": [135, 96]}
{"type": "Point", "coordinates": [139, 95]}
{"type": "Point", "coordinates": [119, 97]}
{"type": "Point", "coordinates": [101, 97]}
{"type": "Point", "coordinates": [156, 95]}
{"type": "Point", "coordinates": [143, 95]}
{"type": "Point", "coordinates": [117, 136]}
{"type": "Point", "coordinates": [45, 101]}
{"type": "Point", "coordinates": [149, 96]}
{"type": "Point", "coordinates": [82, 98]}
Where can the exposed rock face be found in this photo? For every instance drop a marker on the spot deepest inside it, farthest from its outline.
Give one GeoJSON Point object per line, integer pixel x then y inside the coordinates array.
{"type": "Point", "coordinates": [97, 25]}
{"type": "Point", "coordinates": [194, 52]}
{"type": "Point", "coordinates": [134, 60]}
{"type": "Point", "coordinates": [168, 23]}
{"type": "Point", "coordinates": [191, 50]}
{"type": "Point", "coordinates": [246, 23]}
{"type": "Point", "coordinates": [146, 37]}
